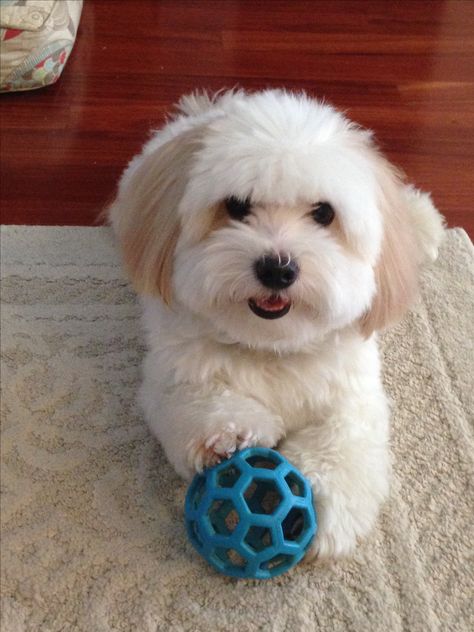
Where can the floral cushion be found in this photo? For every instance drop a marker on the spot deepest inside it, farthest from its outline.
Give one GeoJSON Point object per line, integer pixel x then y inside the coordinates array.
{"type": "Point", "coordinates": [36, 38]}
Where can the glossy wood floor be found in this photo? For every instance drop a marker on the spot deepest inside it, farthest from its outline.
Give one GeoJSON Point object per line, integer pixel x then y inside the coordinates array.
{"type": "Point", "coordinates": [404, 68]}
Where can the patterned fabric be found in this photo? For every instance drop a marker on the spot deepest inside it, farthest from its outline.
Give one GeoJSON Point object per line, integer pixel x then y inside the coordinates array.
{"type": "Point", "coordinates": [93, 536]}
{"type": "Point", "coordinates": [37, 37]}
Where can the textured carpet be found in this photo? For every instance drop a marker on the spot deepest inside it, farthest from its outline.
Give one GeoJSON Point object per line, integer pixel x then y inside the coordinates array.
{"type": "Point", "coordinates": [93, 534]}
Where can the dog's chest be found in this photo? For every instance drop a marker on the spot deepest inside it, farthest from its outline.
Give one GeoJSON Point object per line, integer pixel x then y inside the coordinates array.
{"type": "Point", "coordinates": [297, 387]}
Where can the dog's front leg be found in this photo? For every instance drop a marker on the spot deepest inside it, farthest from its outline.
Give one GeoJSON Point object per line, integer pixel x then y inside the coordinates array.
{"type": "Point", "coordinates": [199, 427]}
{"type": "Point", "coordinates": [346, 458]}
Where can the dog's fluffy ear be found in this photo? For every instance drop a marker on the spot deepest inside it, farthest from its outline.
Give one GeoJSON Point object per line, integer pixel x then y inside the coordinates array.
{"type": "Point", "coordinates": [144, 215]}
{"type": "Point", "coordinates": [396, 271]}
{"type": "Point", "coordinates": [428, 224]}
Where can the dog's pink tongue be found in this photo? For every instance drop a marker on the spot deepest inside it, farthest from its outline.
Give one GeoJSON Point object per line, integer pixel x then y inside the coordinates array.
{"type": "Point", "coordinates": [273, 303]}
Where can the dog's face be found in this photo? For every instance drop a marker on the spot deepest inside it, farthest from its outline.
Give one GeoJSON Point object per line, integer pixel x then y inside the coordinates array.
{"type": "Point", "coordinates": [273, 218]}
{"type": "Point", "coordinates": [276, 274]}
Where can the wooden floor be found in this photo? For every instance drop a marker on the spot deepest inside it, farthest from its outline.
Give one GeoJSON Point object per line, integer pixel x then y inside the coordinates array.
{"type": "Point", "coordinates": [404, 68]}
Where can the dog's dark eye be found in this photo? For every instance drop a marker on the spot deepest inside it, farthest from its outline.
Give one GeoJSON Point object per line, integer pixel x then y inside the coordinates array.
{"type": "Point", "coordinates": [323, 213]}
{"type": "Point", "coordinates": [236, 208]}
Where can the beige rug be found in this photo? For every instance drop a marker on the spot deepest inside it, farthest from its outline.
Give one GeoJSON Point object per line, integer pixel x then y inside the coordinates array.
{"type": "Point", "coordinates": [93, 535]}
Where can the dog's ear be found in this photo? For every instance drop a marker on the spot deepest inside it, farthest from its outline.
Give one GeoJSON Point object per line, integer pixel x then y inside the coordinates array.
{"type": "Point", "coordinates": [144, 214]}
{"type": "Point", "coordinates": [396, 271]}
{"type": "Point", "coordinates": [428, 224]}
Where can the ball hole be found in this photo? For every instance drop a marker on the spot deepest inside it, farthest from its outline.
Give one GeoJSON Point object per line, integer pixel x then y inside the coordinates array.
{"type": "Point", "coordinates": [228, 476]}
{"type": "Point", "coordinates": [294, 524]}
{"type": "Point", "coordinates": [262, 497]}
{"type": "Point", "coordinates": [223, 517]}
{"type": "Point", "coordinates": [295, 484]}
{"type": "Point", "coordinates": [236, 559]}
{"type": "Point", "coordinates": [276, 562]}
{"type": "Point", "coordinates": [258, 538]}
{"type": "Point", "coordinates": [228, 559]}
{"type": "Point", "coordinates": [266, 463]}
{"type": "Point", "coordinates": [198, 492]}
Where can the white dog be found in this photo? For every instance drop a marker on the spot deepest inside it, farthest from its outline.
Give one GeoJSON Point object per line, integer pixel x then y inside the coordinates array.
{"type": "Point", "coordinates": [269, 240]}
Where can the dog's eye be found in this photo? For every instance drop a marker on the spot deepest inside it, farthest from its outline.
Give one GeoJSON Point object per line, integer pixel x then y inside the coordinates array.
{"type": "Point", "coordinates": [323, 213]}
{"type": "Point", "coordinates": [236, 208]}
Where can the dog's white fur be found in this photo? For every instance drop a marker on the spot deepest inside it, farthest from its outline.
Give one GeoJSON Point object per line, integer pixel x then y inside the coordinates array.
{"type": "Point", "coordinates": [217, 377]}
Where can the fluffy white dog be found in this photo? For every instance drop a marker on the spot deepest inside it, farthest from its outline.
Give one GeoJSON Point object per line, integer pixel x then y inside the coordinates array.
{"type": "Point", "coordinates": [269, 240]}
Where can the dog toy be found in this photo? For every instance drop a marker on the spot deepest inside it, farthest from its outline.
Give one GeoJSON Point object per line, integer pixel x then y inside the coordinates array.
{"type": "Point", "coordinates": [251, 516]}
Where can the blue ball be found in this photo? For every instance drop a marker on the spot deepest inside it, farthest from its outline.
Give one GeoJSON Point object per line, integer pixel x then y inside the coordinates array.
{"type": "Point", "coordinates": [252, 515]}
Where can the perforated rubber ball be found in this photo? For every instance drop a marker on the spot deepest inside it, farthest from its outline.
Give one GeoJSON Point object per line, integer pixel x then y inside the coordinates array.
{"type": "Point", "coordinates": [251, 516]}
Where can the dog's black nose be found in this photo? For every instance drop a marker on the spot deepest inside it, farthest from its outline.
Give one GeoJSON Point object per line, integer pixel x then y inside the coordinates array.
{"type": "Point", "coordinates": [276, 272]}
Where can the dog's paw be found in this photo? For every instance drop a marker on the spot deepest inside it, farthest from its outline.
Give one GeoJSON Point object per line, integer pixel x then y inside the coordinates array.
{"type": "Point", "coordinates": [341, 524]}
{"type": "Point", "coordinates": [349, 484]}
{"type": "Point", "coordinates": [220, 445]}
{"type": "Point", "coordinates": [336, 537]}
{"type": "Point", "coordinates": [230, 423]}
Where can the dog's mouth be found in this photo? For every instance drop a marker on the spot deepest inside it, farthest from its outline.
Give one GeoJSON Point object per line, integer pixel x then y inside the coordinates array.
{"type": "Point", "coordinates": [272, 307]}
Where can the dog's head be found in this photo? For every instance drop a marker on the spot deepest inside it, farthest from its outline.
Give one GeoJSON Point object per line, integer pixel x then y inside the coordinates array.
{"type": "Point", "coordinates": [272, 217]}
